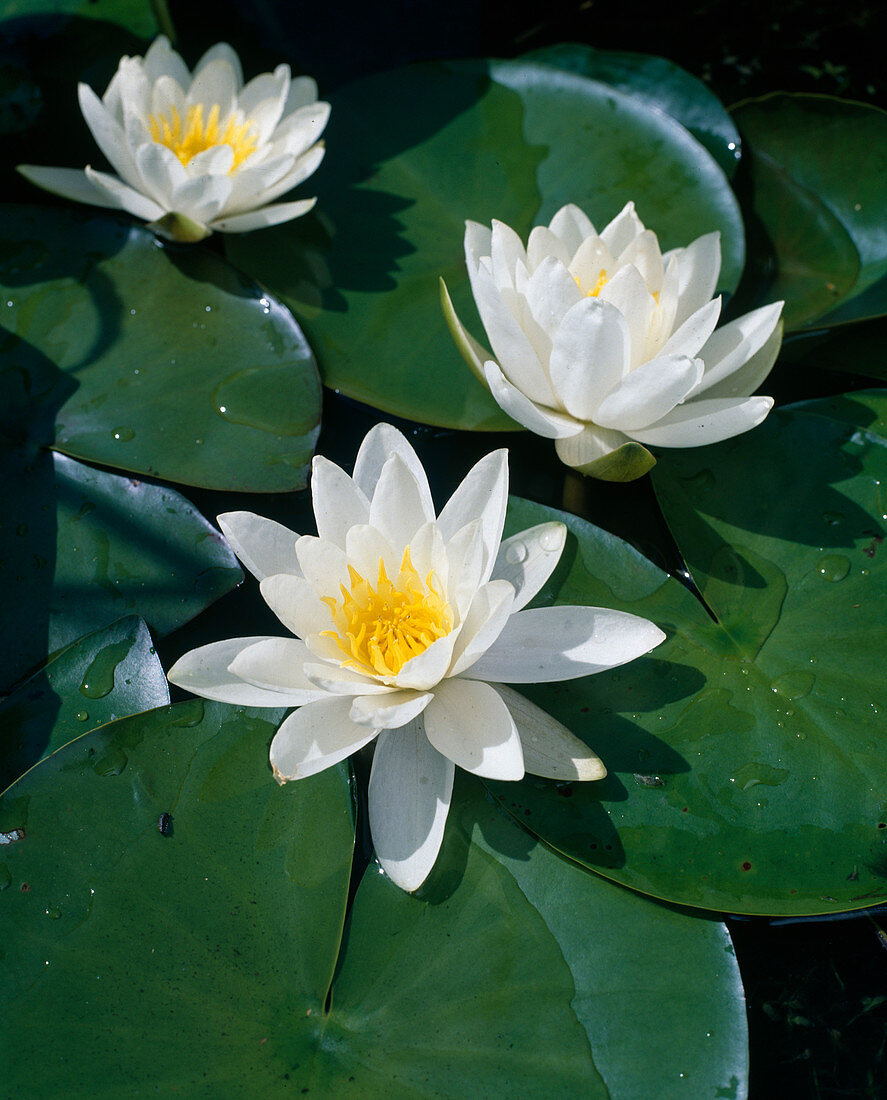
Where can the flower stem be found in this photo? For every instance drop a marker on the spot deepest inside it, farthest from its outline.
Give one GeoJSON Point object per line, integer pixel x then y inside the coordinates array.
{"type": "Point", "coordinates": [164, 20]}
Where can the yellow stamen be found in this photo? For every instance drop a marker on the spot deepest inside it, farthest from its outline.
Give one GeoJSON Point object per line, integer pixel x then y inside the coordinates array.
{"type": "Point", "coordinates": [193, 136]}
{"type": "Point", "coordinates": [598, 286]}
{"type": "Point", "coordinates": [379, 629]}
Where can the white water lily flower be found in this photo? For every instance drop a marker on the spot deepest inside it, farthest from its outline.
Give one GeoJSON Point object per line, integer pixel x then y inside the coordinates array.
{"type": "Point", "coordinates": [194, 153]}
{"type": "Point", "coordinates": [408, 628]}
{"type": "Point", "coordinates": [604, 344]}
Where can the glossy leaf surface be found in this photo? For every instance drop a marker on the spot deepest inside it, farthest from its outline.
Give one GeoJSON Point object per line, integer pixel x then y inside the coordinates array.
{"type": "Point", "coordinates": [743, 754]}
{"type": "Point", "coordinates": [161, 360]}
{"type": "Point", "coordinates": [819, 176]}
{"type": "Point", "coordinates": [465, 140]}
{"type": "Point", "coordinates": [105, 675]}
{"type": "Point", "coordinates": [666, 87]}
{"type": "Point", "coordinates": [201, 959]}
{"type": "Point", "coordinates": [81, 547]}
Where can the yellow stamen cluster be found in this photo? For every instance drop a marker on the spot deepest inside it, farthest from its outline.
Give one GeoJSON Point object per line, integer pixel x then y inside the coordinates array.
{"type": "Point", "coordinates": [188, 138]}
{"type": "Point", "coordinates": [598, 286]}
{"type": "Point", "coordinates": [379, 629]}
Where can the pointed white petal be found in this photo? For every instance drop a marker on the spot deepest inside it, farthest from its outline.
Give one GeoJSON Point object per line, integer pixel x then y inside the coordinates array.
{"type": "Point", "coordinates": [548, 423]}
{"type": "Point", "coordinates": [482, 494]}
{"type": "Point", "coordinates": [644, 255]}
{"type": "Point", "coordinates": [561, 643]}
{"type": "Point", "coordinates": [389, 711]}
{"type": "Point", "coordinates": [204, 672]}
{"type": "Point", "coordinates": [705, 421]}
{"type": "Point", "coordinates": [303, 90]}
{"type": "Point", "coordinates": [485, 621]}
{"type": "Point", "coordinates": [649, 392]}
{"type": "Point", "coordinates": [622, 230]}
{"type": "Point", "coordinates": [338, 502]}
{"type": "Point", "coordinates": [549, 748]}
{"type": "Point", "coordinates": [506, 251]}
{"type": "Point", "coordinates": [746, 379]}
{"type": "Point", "coordinates": [378, 445]}
{"type": "Point", "coordinates": [409, 797]}
{"type": "Point", "coordinates": [469, 723]}
{"type": "Point", "coordinates": [108, 133]}
{"type": "Point", "coordinates": [314, 738]}
{"type": "Point", "coordinates": [295, 603]}
{"type": "Point", "coordinates": [124, 197]}
{"type": "Point", "coordinates": [260, 219]}
{"type": "Point", "coordinates": [694, 332]}
{"type": "Point", "coordinates": [218, 160]}
{"type": "Point", "coordinates": [70, 183]}
{"type": "Point", "coordinates": [324, 565]}
{"type": "Point", "coordinates": [528, 559]}
{"type": "Point", "coordinates": [264, 546]}
{"type": "Point", "coordinates": [200, 199]}
{"type": "Point", "coordinates": [550, 292]}
{"type": "Point", "coordinates": [590, 356]}
{"type": "Point", "coordinates": [429, 668]}
{"type": "Point", "coordinates": [730, 347]}
{"type": "Point", "coordinates": [365, 547]}
{"type": "Point", "coordinates": [399, 505]}
{"type": "Point", "coordinates": [542, 243]}
{"type": "Point", "coordinates": [465, 566]}
{"type": "Point", "coordinates": [699, 265]}
{"type": "Point", "coordinates": [162, 60]}
{"type": "Point", "coordinates": [160, 171]}
{"type": "Point", "coordinates": [277, 664]}
{"type": "Point", "coordinates": [215, 82]}
{"type": "Point", "coordinates": [344, 681]}
{"type": "Point", "coordinates": [572, 225]}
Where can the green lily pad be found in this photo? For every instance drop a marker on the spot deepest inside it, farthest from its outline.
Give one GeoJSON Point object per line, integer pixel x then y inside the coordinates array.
{"type": "Point", "coordinates": [476, 140]}
{"type": "Point", "coordinates": [80, 547]}
{"type": "Point", "coordinates": [211, 959]}
{"type": "Point", "coordinates": [155, 359]}
{"type": "Point", "coordinates": [663, 85]}
{"type": "Point", "coordinates": [136, 16]}
{"type": "Point", "coordinates": [105, 675]}
{"type": "Point", "coordinates": [819, 179]}
{"type": "Point", "coordinates": [854, 349]}
{"type": "Point", "coordinates": [743, 753]}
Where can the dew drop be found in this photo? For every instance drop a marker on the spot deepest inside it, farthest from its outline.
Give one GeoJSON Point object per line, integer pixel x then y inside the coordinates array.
{"type": "Point", "coordinates": [833, 567]}
{"type": "Point", "coordinates": [82, 715]}
{"type": "Point", "coordinates": [516, 553]}
{"type": "Point", "coordinates": [552, 539]}
{"type": "Point", "coordinates": [123, 434]}
{"type": "Point", "coordinates": [52, 911]}
{"type": "Point", "coordinates": [794, 685]}
{"type": "Point", "coordinates": [98, 680]}
{"type": "Point", "coordinates": [113, 762]}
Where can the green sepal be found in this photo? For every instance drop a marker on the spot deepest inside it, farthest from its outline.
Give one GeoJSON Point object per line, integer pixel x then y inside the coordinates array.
{"type": "Point", "coordinates": [473, 352]}
{"type": "Point", "coordinates": [179, 228]}
{"type": "Point", "coordinates": [627, 463]}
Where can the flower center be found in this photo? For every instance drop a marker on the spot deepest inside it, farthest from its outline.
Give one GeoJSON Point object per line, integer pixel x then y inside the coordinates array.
{"type": "Point", "coordinates": [598, 286]}
{"type": "Point", "coordinates": [193, 136]}
{"type": "Point", "coordinates": [379, 629]}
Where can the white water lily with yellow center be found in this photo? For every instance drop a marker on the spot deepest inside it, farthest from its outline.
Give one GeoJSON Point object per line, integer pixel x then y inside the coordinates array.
{"type": "Point", "coordinates": [409, 627]}
{"type": "Point", "coordinates": [606, 345]}
{"type": "Point", "coordinates": [197, 152]}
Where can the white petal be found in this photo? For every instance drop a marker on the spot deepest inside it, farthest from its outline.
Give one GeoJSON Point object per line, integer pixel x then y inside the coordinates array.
{"type": "Point", "coordinates": [124, 197]}
{"type": "Point", "coordinates": [469, 723]}
{"type": "Point", "coordinates": [108, 133]}
{"type": "Point", "coordinates": [160, 171]}
{"type": "Point", "coordinates": [548, 423]}
{"type": "Point", "coordinates": [746, 379]}
{"type": "Point", "coordinates": [649, 392]}
{"type": "Point", "coordinates": [561, 643]}
{"type": "Point", "coordinates": [511, 345]}
{"type": "Point", "coordinates": [643, 254]}
{"type": "Point", "coordinates": [277, 664]}
{"type": "Point", "coordinates": [324, 565]}
{"type": "Point", "coordinates": [378, 445]}
{"type": "Point", "coordinates": [409, 797]}
{"type": "Point", "coordinates": [622, 230]}
{"type": "Point", "coordinates": [399, 505]}
{"type": "Point", "coordinates": [705, 421]}
{"type": "Point", "coordinates": [478, 242]}
{"type": "Point", "coordinates": [264, 546]}
{"type": "Point", "coordinates": [300, 130]}
{"type": "Point", "coordinates": [295, 603]}
{"type": "Point", "coordinates": [589, 445]}
{"type": "Point", "coordinates": [204, 672]}
{"type": "Point", "coordinates": [260, 219]}
{"type": "Point", "coordinates": [429, 668]}
{"type": "Point", "coordinates": [389, 711]}
{"type": "Point", "coordinates": [528, 559]}
{"type": "Point", "coordinates": [486, 618]}
{"type": "Point", "coordinates": [202, 198]}
{"type": "Point", "coordinates": [628, 293]}
{"type": "Point", "coordinates": [72, 183]}
{"type": "Point", "coordinates": [572, 225]}
{"type": "Point", "coordinates": [365, 547]}
{"type": "Point", "coordinates": [549, 748]}
{"type": "Point", "coordinates": [506, 251]}
{"type": "Point", "coordinates": [482, 494]}
{"type": "Point", "coordinates": [221, 51]}
{"type": "Point", "coordinates": [550, 292]}
{"type": "Point", "coordinates": [314, 738]}
{"type": "Point", "coordinates": [465, 566]}
{"type": "Point", "coordinates": [730, 347]}
{"type": "Point", "coordinates": [693, 333]}
{"type": "Point", "coordinates": [215, 82]}
{"type": "Point", "coordinates": [215, 161]}
{"type": "Point", "coordinates": [592, 259]}
{"type": "Point", "coordinates": [699, 265]}
{"type": "Point", "coordinates": [542, 243]}
{"type": "Point", "coordinates": [338, 502]}
{"type": "Point", "coordinates": [344, 681]}
{"type": "Point", "coordinates": [590, 356]}
{"type": "Point", "coordinates": [162, 60]}
{"type": "Point", "coordinates": [303, 90]}
{"type": "Point", "coordinates": [265, 88]}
